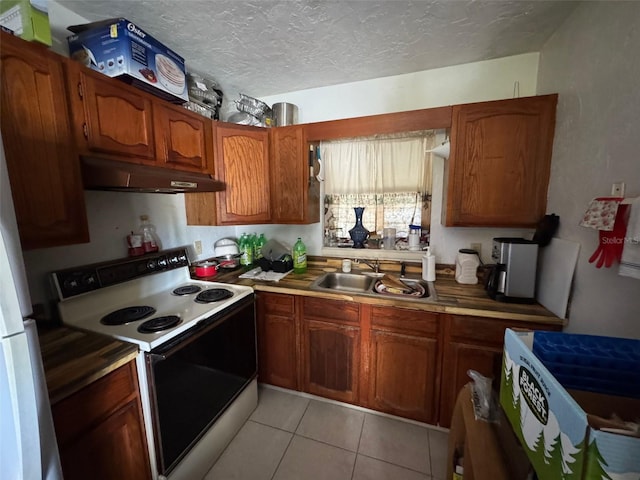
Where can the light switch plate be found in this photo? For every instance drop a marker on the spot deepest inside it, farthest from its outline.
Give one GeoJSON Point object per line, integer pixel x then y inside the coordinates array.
{"type": "Point", "coordinates": [197, 246]}
{"type": "Point", "coordinates": [617, 189]}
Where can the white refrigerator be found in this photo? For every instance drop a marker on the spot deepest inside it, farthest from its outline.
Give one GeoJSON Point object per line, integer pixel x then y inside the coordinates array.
{"type": "Point", "coordinates": [28, 449]}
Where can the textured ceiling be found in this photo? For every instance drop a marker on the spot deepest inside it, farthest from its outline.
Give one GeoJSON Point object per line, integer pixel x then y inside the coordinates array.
{"type": "Point", "coordinates": [266, 47]}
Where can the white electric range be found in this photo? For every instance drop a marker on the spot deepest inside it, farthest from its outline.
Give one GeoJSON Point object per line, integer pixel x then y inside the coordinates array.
{"type": "Point", "coordinates": [198, 350]}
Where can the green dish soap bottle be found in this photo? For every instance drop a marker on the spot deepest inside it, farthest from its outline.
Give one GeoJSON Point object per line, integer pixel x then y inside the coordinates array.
{"type": "Point", "coordinates": [299, 257]}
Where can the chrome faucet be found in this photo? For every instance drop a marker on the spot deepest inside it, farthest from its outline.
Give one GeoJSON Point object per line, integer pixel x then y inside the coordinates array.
{"type": "Point", "coordinates": [373, 266]}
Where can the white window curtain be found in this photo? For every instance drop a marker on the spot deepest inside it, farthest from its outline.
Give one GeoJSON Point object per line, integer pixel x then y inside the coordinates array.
{"type": "Point", "coordinates": [388, 175]}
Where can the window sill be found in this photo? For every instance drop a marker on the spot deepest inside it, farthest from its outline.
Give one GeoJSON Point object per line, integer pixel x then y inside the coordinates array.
{"type": "Point", "coordinates": [373, 253]}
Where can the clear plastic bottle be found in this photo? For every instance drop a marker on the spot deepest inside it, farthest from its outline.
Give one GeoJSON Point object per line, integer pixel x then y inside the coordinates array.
{"type": "Point", "coordinates": [299, 257]}
{"type": "Point", "coordinates": [150, 241]}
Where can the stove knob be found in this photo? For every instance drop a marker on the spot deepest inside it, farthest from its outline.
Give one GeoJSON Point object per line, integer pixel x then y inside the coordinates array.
{"type": "Point", "coordinates": [90, 281]}
{"type": "Point", "coordinates": [151, 264]}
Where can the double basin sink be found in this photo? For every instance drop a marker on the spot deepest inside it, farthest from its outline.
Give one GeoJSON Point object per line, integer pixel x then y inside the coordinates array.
{"type": "Point", "coordinates": [368, 284]}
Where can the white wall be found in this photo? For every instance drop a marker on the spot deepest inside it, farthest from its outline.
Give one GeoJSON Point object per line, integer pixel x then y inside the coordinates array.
{"type": "Point", "coordinates": [471, 82]}
{"type": "Point", "coordinates": [592, 62]}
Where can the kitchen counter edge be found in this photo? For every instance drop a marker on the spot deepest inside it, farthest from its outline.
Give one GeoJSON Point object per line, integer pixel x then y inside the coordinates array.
{"type": "Point", "coordinates": [452, 298]}
{"type": "Point", "coordinates": [73, 359]}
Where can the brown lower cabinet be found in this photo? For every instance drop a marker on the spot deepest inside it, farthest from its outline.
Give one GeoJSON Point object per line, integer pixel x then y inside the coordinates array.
{"type": "Point", "coordinates": [331, 349]}
{"type": "Point", "coordinates": [474, 343]}
{"type": "Point", "coordinates": [100, 430]}
{"type": "Point", "coordinates": [396, 360]}
{"type": "Point", "coordinates": [277, 340]}
{"type": "Point", "coordinates": [404, 363]}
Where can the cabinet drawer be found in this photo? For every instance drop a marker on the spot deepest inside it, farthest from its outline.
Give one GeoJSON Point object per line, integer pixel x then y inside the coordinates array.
{"type": "Point", "coordinates": [332, 310]}
{"type": "Point", "coordinates": [277, 304]}
{"type": "Point", "coordinates": [406, 320]}
{"type": "Point", "coordinates": [489, 331]}
{"type": "Point", "coordinates": [78, 412]}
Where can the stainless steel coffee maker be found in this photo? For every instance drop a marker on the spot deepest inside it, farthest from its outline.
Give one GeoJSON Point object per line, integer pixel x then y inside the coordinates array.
{"type": "Point", "coordinates": [513, 277]}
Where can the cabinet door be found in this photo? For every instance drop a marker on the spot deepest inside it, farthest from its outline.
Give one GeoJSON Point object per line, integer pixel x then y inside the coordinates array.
{"type": "Point", "coordinates": [184, 140]}
{"type": "Point", "coordinates": [242, 162]}
{"type": "Point", "coordinates": [295, 192]}
{"type": "Point", "coordinates": [403, 375]}
{"type": "Point", "coordinates": [474, 343]}
{"type": "Point", "coordinates": [42, 160]}
{"type": "Point", "coordinates": [459, 358]}
{"type": "Point", "coordinates": [331, 360]}
{"type": "Point", "coordinates": [498, 171]}
{"type": "Point", "coordinates": [277, 340]}
{"type": "Point", "coordinates": [110, 117]}
{"type": "Point", "coordinates": [100, 430]}
{"type": "Point", "coordinates": [111, 449]}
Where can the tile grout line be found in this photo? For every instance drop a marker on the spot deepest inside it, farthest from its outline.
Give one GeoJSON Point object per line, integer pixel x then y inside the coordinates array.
{"type": "Point", "coordinates": [397, 465]}
{"type": "Point", "coordinates": [353, 470]}
{"type": "Point", "coordinates": [293, 434]}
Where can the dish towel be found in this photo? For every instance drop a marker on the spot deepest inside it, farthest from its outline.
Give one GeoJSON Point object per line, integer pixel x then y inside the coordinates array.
{"type": "Point", "coordinates": [270, 276]}
{"type": "Point", "coordinates": [630, 261]}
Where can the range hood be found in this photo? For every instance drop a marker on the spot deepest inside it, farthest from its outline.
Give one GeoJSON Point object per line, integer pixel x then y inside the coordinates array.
{"type": "Point", "coordinates": [101, 174]}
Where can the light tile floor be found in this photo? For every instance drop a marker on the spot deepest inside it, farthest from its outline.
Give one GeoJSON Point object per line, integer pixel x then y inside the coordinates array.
{"type": "Point", "coordinates": [293, 437]}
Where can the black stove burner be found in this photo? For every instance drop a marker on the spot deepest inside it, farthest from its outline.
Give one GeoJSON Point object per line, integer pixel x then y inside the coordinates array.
{"type": "Point", "coordinates": [127, 314]}
{"type": "Point", "coordinates": [187, 290]}
{"type": "Point", "coordinates": [213, 295]}
{"type": "Point", "coordinates": [159, 323]}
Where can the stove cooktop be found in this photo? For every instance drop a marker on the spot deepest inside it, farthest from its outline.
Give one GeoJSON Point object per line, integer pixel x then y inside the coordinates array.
{"type": "Point", "coordinates": [168, 302]}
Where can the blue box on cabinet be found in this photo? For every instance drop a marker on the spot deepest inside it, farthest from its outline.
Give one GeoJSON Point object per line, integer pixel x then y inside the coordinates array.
{"type": "Point", "coordinates": [567, 431]}
{"type": "Point", "coordinates": [119, 48]}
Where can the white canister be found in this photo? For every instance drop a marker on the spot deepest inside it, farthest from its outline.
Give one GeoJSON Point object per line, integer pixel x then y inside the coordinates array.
{"type": "Point", "coordinates": [414, 240]}
{"type": "Point", "coordinates": [346, 265]}
{"type": "Point", "coordinates": [467, 263]}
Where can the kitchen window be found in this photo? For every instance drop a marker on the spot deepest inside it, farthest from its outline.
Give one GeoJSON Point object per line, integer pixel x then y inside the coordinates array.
{"type": "Point", "coordinates": [389, 175]}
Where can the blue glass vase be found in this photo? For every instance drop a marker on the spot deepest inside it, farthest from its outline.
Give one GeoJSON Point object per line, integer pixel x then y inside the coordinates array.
{"type": "Point", "coordinates": [358, 233]}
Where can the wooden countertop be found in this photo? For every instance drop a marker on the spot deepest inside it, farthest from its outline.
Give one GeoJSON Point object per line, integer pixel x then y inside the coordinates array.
{"type": "Point", "coordinates": [452, 297]}
{"type": "Point", "coordinates": [73, 359]}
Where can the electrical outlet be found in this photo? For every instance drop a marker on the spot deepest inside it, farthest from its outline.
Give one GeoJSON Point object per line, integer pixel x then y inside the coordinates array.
{"type": "Point", "coordinates": [197, 245]}
{"type": "Point", "coordinates": [477, 247]}
{"type": "Point", "coordinates": [617, 189]}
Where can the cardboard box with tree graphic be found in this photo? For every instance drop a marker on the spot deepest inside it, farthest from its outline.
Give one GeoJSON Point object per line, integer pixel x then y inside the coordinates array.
{"type": "Point", "coordinates": [564, 432]}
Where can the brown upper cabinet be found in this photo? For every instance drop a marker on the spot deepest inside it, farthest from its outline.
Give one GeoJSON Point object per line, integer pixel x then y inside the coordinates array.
{"type": "Point", "coordinates": [242, 163]}
{"type": "Point", "coordinates": [268, 178]}
{"type": "Point", "coordinates": [498, 170]}
{"type": "Point", "coordinates": [184, 140]}
{"type": "Point", "coordinates": [110, 117]}
{"type": "Point", "coordinates": [116, 120]}
{"type": "Point", "coordinates": [295, 191]}
{"type": "Point", "coordinates": [40, 152]}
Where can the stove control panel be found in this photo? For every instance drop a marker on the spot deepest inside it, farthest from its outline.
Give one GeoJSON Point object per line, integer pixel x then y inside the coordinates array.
{"type": "Point", "coordinates": [82, 279]}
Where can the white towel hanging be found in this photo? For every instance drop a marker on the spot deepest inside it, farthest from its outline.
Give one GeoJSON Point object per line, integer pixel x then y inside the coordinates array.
{"type": "Point", "coordinates": [630, 261]}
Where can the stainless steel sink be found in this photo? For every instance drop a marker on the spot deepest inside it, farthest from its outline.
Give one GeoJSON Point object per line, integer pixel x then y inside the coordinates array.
{"type": "Point", "coordinates": [363, 284]}
{"type": "Point", "coordinates": [344, 282]}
